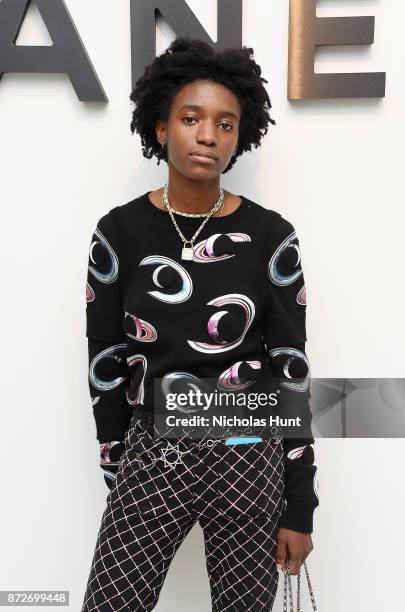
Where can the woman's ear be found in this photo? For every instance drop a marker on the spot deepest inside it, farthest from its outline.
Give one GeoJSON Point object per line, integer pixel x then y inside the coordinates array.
{"type": "Point", "coordinates": [161, 130]}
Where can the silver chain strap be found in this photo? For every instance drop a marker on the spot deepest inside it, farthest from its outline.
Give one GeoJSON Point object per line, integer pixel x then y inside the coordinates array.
{"type": "Point", "coordinates": [287, 581]}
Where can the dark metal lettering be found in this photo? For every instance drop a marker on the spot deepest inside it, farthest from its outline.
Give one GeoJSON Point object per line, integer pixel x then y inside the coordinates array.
{"type": "Point", "coordinates": [182, 20]}
{"type": "Point", "coordinates": [67, 54]}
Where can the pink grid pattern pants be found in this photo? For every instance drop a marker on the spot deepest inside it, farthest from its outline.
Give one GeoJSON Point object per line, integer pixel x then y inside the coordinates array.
{"type": "Point", "coordinates": [236, 493]}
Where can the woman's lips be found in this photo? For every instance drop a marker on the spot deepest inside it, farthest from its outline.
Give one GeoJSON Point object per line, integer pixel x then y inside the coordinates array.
{"type": "Point", "coordinates": [203, 160]}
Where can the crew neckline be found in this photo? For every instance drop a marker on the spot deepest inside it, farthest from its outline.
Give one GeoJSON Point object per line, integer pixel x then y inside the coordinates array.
{"type": "Point", "coordinates": [160, 212]}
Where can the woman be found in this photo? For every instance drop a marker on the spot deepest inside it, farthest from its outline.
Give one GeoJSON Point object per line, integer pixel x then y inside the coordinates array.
{"type": "Point", "coordinates": [175, 297]}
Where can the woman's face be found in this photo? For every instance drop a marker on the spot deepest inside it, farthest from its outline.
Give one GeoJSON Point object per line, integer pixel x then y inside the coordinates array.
{"type": "Point", "coordinates": [204, 118]}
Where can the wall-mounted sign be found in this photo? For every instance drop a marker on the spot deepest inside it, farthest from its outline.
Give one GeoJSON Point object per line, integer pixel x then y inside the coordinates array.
{"type": "Point", "coordinates": [68, 54]}
{"type": "Point", "coordinates": [306, 31]}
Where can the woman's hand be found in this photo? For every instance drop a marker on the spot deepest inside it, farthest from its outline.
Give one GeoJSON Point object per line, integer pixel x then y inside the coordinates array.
{"type": "Point", "coordinates": [293, 546]}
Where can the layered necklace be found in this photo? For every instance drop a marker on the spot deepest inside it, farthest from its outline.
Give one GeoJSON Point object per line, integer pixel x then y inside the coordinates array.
{"type": "Point", "coordinates": [187, 252]}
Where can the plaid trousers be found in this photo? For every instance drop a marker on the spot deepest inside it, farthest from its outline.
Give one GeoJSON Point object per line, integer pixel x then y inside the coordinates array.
{"type": "Point", "coordinates": [236, 493]}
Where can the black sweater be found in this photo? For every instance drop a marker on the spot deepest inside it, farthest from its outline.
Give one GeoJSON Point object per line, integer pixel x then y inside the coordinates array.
{"type": "Point", "coordinates": [148, 313]}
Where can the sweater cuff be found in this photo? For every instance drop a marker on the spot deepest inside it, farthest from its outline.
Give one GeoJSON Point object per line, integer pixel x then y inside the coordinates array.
{"type": "Point", "coordinates": [301, 493]}
{"type": "Point", "coordinates": [298, 516]}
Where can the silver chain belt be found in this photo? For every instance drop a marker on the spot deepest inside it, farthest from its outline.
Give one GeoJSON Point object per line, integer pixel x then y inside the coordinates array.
{"type": "Point", "coordinates": [173, 449]}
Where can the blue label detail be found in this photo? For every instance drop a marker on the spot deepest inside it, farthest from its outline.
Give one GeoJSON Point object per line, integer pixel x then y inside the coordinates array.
{"type": "Point", "coordinates": [240, 440]}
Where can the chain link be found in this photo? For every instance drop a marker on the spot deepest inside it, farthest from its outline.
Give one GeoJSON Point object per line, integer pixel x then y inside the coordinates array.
{"type": "Point", "coordinates": [216, 207]}
{"type": "Point", "coordinates": [287, 581]}
{"type": "Point", "coordinates": [170, 448]}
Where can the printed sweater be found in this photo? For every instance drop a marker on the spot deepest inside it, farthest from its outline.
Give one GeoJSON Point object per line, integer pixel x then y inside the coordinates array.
{"type": "Point", "coordinates": [238, 307]}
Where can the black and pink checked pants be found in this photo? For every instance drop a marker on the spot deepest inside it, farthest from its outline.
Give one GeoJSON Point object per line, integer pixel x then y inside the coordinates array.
{"type": "Point", "coordinates": [236, 493]}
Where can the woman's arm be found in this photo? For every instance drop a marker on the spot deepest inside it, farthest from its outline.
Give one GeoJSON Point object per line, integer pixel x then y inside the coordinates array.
{"type": "Point", "coordinates": [108, 372]}
{"type": "Point", "coordinates": [284, 335]}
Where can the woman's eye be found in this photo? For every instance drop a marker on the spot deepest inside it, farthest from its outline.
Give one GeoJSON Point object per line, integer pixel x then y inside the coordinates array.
{"type": "Point", "coordinates": [194, 119]}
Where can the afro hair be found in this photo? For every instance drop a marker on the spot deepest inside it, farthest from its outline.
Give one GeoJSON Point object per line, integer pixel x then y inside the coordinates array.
{"type": "Point", "coordinates": [185, 61]}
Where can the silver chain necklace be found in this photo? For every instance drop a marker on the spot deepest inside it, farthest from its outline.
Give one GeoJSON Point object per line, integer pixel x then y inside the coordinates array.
{"type": "Point", "coordinates": [187, 252]}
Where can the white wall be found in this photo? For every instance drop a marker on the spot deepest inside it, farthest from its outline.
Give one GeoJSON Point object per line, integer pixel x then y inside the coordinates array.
{"type": "Point", "coordinates": [332, 167]}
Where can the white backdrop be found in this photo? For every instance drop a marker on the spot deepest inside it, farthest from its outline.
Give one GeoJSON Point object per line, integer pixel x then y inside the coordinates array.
{"type": "Point", "coordinates": [334, 168]}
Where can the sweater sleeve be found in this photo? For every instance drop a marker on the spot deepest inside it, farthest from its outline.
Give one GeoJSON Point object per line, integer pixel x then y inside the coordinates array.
{"type": "Point", "coordinates": [108, 370]}
{"type": "Point", "coordinates": [284, 335]}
